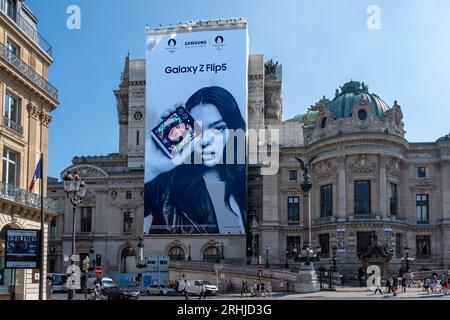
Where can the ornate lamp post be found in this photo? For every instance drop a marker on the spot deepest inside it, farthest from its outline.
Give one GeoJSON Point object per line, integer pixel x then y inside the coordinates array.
{"type": "Point", "coordinates": [75, 189]}
{"type": "Point", "coordinates": [407, 260]}
{"type": "Point", "coordinates": [267, 256]}
{"type": "Point", "coordinates": [307, 279]}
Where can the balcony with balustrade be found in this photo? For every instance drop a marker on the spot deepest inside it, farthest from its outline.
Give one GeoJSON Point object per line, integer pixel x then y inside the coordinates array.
{"type": "Point", "coordinates": [23, 202]}
{"type": "Point", "coordinates": [20, 19]}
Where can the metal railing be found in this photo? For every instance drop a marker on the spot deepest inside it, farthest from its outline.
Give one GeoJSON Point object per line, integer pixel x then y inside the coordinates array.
{"type": "Point", "coordinates": [23, 197]}
{"type": "Point", "coordinates": [12, 125]}
{"type": "Point", "coordinates": [28, 28]}
{"type": "Point", "coordinates": [27, 71]}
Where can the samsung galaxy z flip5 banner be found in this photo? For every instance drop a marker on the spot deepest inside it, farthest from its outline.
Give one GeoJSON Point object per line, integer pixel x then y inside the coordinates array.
{"type": "Point", "coordinates": [195, 172]}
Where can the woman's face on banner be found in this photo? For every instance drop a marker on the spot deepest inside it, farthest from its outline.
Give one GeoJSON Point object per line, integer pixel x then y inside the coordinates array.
{"type": "Point", "coordinates": [214, 133]}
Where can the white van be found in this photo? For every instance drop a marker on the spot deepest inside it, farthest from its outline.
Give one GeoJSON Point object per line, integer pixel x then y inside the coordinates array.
{"type": "Point", "coordinates": [104, 283]}
{"type": "Point", "coordinates": [196, 287]}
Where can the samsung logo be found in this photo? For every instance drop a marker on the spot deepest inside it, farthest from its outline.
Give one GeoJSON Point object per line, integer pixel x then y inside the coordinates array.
{"type": "Point", "coordinates": [195, 43]}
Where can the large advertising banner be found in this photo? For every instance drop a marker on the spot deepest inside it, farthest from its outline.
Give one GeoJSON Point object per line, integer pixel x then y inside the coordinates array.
{"type": "Point", "coordinates": [195, 157]}
{"type": "Point", "coordinates": [22, 249]}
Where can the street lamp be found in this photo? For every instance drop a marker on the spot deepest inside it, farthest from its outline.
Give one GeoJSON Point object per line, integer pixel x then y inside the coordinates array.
{"type": "Point", "coordinates": [407, 260]}
{"type": "Point", "coordinates": [75, 189]}
{"type": "Point", "coordinates": [267, 256]}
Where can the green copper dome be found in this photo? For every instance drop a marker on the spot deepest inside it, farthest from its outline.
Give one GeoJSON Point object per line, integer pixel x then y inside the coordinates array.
{"type": "Point", "coordinates": [350, 95]}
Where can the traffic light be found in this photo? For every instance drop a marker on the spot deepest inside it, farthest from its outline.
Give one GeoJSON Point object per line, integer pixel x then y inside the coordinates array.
{"type": "Point", "coordinates": [86, 264]}
{"type": "Point", "coordinates": [98, 260]}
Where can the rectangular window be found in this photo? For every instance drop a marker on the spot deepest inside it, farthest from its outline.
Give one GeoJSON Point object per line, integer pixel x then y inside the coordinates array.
{"type": "Point", "coordinates": [422, 172]}
{"type": "Point", "coordinates": [393, 199]}
{"type": "Point", "coordinates": [12, 108]}
{"type": "Point", "coordinates": [422, 208]}
{"type": "Point", "coordinates": [423, 245]}
{"type": "Point", "coordinates": [137, 138]}
{"type": "Point", "coordinates": [324, 240]}
{"type": "Point", "coordinates": [398, 245]}
{"type": "Point", "coordinates": [86, 219]}
{"type": "Point", "coordinates": [326, 201]}
{"type": "Point", "coordinates": [251, 192]}
{"type": "Point", "coordinates": [128, 222]}
{"type": "Point", "coordinates": [53, 228]}
{"type": "Point", "coordinates": [129, 195]}
{"type": "Point", "coordinates": [11, 9]}
{"type": "Point", "coordinates": [52, 264]}
{"type": "Point", "coordinates": [363, 241]}
{"type": "Point", "coordinates": [293, 246]}
{"type": "Point", "coordinates": [362, 197]}
{"type": "Point", "coordinates": [293, 210]}
{"type": "Point", "coordinates": [13, 49]}
{"type": "Point", "coordinates": [293, 175]}
{"type": "Point", "coordinates": [10, 167]}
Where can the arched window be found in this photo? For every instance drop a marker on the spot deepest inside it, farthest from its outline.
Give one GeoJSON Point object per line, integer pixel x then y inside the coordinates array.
{"type": "Point", "coordinates": [176, 254]}
{"type": "Point", "coordinates": [323, 124]}
{"type": "Point", "coordinates": [211, 254]}
{"type": "Point", "coordinates": [125, 253]}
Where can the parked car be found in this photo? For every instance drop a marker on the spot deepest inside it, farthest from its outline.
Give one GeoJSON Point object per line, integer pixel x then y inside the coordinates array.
{"type": "Point", "coordinates": [159, 289]}
{"type": "Point", "coordinates": [121, 293]}
{"type": "Point", "coordinates": [104, 283]}
{"type": "Point", "coordinates": [196, 287]}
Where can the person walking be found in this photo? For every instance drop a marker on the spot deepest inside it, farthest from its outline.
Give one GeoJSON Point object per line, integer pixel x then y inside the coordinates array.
{"type": "Point", "coordinates": [269, 289]}
{"type": "Point", "coordinates": [388, 285]}
{"type": "Point", "coordinates": [243, 289]}
{"type": "Point", "coordinates": [202, 292]}
{"type": "Point", "coordinates": [404, 283]}
{"type": "Point", "coordinates": [445, 287]}
{"type": "Point", "coordinates": [281, 284]}
{"type": "Point", "coordinates": [186, 289]}
{"type": "Point", "coordinates": [263, 291]}
{"type": "Point", "coordinates": [394, 286]}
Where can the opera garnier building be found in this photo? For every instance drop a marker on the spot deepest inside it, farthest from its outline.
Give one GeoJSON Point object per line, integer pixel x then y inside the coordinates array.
{"type": "Point", "coordinates": [374, 194]}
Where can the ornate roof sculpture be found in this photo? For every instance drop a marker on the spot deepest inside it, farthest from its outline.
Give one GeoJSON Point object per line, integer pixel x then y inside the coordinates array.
{"type": "Point", "coordinates": [346, 98]}
{"type": "Point", "coordinates": [271, 67]}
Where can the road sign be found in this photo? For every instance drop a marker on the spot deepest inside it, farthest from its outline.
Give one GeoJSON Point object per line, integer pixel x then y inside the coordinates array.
{"type": "Point", "coordinates": [98, 270]}
{"type": "Point", "coordinates": [260, 268]}
{"type": "Point", "coordinates": [75, 258]}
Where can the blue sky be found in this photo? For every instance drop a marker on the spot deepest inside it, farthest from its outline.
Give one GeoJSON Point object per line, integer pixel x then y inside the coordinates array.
{"type": "Point", "coordinates": [321, 43]}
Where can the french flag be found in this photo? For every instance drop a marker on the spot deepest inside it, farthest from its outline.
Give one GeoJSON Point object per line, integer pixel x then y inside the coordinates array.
{"type": "Point", "coordinates": [37, 175]}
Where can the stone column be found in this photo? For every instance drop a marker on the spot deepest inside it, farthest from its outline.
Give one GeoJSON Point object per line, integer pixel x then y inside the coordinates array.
{"type": "Point", "coordinates": [383, 187]}
{"type": "Point", "coordinates": [342, 194]}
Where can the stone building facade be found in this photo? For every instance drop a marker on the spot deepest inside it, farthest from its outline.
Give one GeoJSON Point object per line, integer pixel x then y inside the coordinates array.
{"type": "Point", "coordinates": [26, 101]}
{"type": "Point", "coordinates": [367, 178]}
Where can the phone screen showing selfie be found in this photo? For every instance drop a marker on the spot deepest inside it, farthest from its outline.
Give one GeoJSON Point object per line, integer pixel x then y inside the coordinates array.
{"type": "Point", "coordinates": [174, 133]}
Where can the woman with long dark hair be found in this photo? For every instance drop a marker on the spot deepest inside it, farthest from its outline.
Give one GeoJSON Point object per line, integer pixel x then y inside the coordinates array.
{"type": "Point", "coordinates": [208, 197]}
